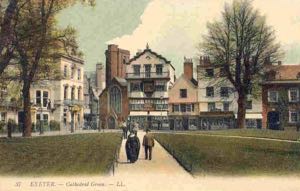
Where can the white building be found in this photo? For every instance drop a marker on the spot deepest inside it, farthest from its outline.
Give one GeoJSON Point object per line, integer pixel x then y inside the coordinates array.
{"type": "Point", "coordinates": [218, 101]}
{"type": "Point", "coordinates": [149, 76]}
{"type": "Point", "coordinates": [61, 99]}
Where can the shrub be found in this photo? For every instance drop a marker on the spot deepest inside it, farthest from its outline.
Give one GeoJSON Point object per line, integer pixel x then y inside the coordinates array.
{"type": "Point", "coordinates": [54, 125]}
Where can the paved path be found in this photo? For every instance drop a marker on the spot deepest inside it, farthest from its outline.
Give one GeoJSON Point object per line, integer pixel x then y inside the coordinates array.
{"type": "Point", "coordinates": [161, 173]}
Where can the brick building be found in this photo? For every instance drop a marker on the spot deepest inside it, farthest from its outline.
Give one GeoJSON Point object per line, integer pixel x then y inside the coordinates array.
{"type": "Point", "coordinates": [280, 97]}
{"type": "Point", "coordinates": [183, 104]}
{"type": "Point", "coordinates": [113, 101]}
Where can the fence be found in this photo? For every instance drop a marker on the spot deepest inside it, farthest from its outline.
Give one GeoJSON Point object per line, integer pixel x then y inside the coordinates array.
{"type": "Point", "coordinates": [114, 163]}
{"type": "Point", "coordinates": [179, 157]}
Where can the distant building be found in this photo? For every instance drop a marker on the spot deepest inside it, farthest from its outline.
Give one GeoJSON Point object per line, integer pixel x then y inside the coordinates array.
{"type": "Point", "coordinates": [218, 99]}
{"type": "Point", "coordinates": [183, 100]}
{"type": "Point", "coordinates": [100, 77]}
{"type": "Point", "coordinates": [113, 101]}
{"type": "Point", "coordinates": [10, 102]}
{"type": "Point", "coordinates": [60, 99]}
{"type": "Point", "coordinates": [91, 104]}
{"type": "Point", "coordinates": [280, 97]}
{"type": "Point", "coordinates": [149, 77]}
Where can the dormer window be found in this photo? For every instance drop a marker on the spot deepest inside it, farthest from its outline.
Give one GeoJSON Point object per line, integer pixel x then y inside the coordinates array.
{"type": "Point", "coordinates": [209, 73]}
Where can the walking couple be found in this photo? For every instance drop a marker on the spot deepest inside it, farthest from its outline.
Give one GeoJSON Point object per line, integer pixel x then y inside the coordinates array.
{"type": "Point", "coordinates": [133, 146]}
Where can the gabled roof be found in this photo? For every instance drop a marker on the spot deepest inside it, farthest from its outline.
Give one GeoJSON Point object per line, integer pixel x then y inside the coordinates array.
{"type": "Point", "coordinates": [151, 52]}
{"type": "Point", "coordinates": [287, 72]}
{"type": "Point", "coordinates": [192, 82]}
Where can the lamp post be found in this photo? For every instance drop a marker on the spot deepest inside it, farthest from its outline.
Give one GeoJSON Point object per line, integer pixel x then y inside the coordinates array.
{"type": "Point", "coordinates": [41, 121]}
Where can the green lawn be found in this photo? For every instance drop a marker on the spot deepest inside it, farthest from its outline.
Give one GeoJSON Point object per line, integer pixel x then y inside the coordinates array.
{"type": "Point", "coordinates": [59, 155]}
{"type": "Point", "coordinates": [204, 155]}
{"type": "Point", "coordinates": [263, 133]}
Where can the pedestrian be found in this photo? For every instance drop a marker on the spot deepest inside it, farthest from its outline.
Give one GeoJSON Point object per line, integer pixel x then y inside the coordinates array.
{"type": "Point", "coordinates": [123, 126]}
{"type": "Point", "coordinates": [148, 143]}
{"type": "Point", "coordinates": [135, 128]}
{"type": "Point", "coordinates": [132, 148]}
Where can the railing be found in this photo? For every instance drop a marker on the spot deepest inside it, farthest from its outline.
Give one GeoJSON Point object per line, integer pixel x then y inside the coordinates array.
{"type": "Point", "coordinates": [147, 75]}
{"type": "Point", "coordinates": [179, 157]}
{"type": "Point", "coordinates": [115, 159]}
{"type": "Point", "coordinates": [69, 102]}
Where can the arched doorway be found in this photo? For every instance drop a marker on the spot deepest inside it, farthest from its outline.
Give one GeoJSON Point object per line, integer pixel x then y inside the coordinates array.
{"type": "Point", "coordinates": [273, 120]}
{"type": "Point", "coordinates": [111, 122]}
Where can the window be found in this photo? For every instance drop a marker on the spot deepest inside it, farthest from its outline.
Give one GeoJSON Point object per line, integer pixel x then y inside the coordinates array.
{"type": "Point", "coordinates": [224, 92]}
{"type": "Point", "coordinates": [176, 108]}
{"type": "Point", "coordinates": [183, 107]}
{"type": "Point", "coordinates": [65, 71]}
{"type": "Point", "coordinates": [209, 73]}
{"type": "Point", "coordinates": [147, 70]}
{"type": "Point", "coordinates": [189, 108]}
{"type": "Point", "coordinates": [293, 118]}
{"type": "Point", "coordinates": [211, 106]}
{"type": "Point", "coordinates": [73, 93]}
{"type": "Point", "coordinates": [65, 92]}
{"type": "Point", "coordinates": [45, 119]}
{"type": "Point", "coordinates": [293, 95]}
{"type": "Point", "coordinates": [72, 72]}
{"type": "Point", "coordinates": [222, 72]}
{"type": "Point", "coordinates": [160, 86]}
{"type": "Point", "coordinates": [38, 97]}
{"type": "Point", "coordinates": [79, 74]}
{"type": "Point", "coordinates": [249, 104]}
{"type": "Point", "coordinates": [45, 98]}
{"type": "Point", "coordinates": [115, 99]}
{"type": "Point", "coordinates": [135, 87]}
{"type": "Point", "coordinates": [79, 93]}
{"type": "Point", "coordinates": [136, 70]}
{"type": "Point", "coordinates": [226, 106]}
{"type": "Point", "coordinates": [3, 116]}
{"type": "Point", "coordinates": [209, 91]}
{"type": "Point", "coordinates": [159, 69]}
{"type": "Point", "coordinates": [183, 93]}
{"type": "Point", "coordinates": [38, 117]}
{"type": "Point", "coordinates": [273, 96]}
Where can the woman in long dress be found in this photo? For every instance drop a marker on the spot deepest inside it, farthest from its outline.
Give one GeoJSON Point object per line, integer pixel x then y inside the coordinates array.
{"type": "Point", "coordinates": [132, 147]}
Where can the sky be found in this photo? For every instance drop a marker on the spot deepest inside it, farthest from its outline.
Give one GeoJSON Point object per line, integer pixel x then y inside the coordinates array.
{"type": "Point", "coordinates": [173, 28]}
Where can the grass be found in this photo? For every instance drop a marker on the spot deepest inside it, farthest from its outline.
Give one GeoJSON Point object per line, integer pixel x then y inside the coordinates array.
{"type": "Point", "coordinates": [59, 155]}
{"type": "Point", "coordinates": [261, 133]}
{"type": "Point", "coordinates": [208, 155]}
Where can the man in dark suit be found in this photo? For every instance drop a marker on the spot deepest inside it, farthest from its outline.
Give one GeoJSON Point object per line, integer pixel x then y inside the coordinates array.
{"type": "Point", "coordinates": [148, 143]}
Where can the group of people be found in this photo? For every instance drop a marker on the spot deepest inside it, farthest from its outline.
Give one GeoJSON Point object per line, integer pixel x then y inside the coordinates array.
{"type": "Point", "coordinates": [132, 145]}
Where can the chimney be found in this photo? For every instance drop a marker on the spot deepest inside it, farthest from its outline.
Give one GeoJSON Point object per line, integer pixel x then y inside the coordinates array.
{"type": "Point", "coordinates": [188, 68]}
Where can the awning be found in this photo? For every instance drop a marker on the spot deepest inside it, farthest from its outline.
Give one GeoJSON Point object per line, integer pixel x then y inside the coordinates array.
{"type": "Point", "coordinates": [158, 113]}
{"type": "Point", "coordinates": [252, 116]}
{"type": "Point", "coordinates": [138, 113]}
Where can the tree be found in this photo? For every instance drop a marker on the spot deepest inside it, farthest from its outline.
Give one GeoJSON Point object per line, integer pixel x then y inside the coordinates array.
{"type": "Point", "coordinates": [37, 40]}
{"type": "Point", "coordinates": [6, 36]}
{"type": "Point", "coordinates": [241, 43]}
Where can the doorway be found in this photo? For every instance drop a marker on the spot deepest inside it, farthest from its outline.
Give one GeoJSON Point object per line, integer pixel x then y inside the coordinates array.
{"type": "Point", "coordinates": [273, 120]}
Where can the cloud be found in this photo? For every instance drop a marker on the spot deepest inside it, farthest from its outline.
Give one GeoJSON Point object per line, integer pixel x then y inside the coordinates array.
{"type": "Point", "coordinates": [174, 28]}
